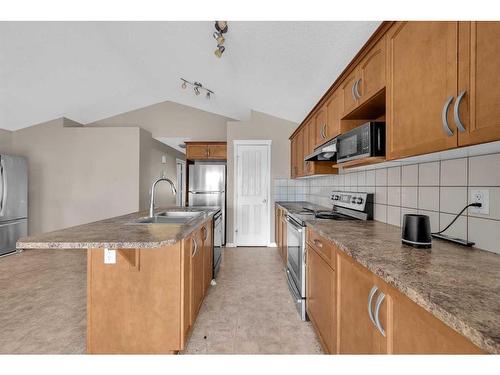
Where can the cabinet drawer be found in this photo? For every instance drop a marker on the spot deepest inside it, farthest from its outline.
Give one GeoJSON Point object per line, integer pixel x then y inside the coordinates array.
{"type": "Point", "coordinates": [323, 246]}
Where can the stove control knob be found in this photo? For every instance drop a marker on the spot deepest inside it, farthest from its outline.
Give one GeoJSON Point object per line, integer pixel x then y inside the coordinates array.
{"type": "Point", "coordinates": [336, 197]}
{"type": "Point", "coordinates": [359, 200]}
{"type": "Point", "coordinates": [353, 200]}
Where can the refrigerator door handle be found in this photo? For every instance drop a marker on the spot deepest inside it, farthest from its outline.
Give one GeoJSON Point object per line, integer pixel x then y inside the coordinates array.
{"type": "Point", "coordinates": [205, 192]}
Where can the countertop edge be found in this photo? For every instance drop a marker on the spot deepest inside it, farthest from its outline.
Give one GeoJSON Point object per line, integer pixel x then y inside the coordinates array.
{"type": "Point", "coordinates": [461, 327]}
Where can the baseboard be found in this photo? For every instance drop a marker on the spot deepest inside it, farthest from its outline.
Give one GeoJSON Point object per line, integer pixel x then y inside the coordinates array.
{"type": "Point", "coordinates": [230, 244]}
{"type": "Point", "coordinates": [272, 244]}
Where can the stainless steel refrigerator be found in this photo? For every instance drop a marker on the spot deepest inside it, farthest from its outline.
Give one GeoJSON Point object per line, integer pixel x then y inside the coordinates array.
{"type": "Point", "coordinates": [13, 201]}
{"type": "Point", "coordinates": [207, 187]}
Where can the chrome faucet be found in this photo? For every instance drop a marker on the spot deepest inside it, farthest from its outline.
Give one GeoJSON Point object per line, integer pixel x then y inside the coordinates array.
{"type": "Point", "coordinates": [152, 196]}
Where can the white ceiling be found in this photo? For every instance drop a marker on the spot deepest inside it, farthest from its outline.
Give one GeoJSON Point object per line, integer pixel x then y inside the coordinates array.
{"type": "Point", "coordinates": [87, 71]}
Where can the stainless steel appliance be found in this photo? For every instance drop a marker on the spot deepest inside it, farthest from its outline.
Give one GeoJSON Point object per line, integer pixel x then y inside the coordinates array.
{"type": "Point", "coordinates": [217, 243]}
{"type": "Point", "coordinates": [207, 187]}
{"type": "Point", "coordinates": [326, 152]}
{"type": "Point", "coordinates": [13, 201]}
{"type": "Point", "coordinates": [346, 206]}
{"type": "Point", "coordinates": [364, 141]}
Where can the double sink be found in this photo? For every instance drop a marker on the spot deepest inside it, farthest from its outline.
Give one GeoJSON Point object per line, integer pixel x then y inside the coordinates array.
{"type": "Point", "coordinates": [170, 217]}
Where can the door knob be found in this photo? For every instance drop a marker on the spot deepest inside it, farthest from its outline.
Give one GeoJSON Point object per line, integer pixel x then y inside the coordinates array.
{"type": "Point", "coordinates": [264, 201]}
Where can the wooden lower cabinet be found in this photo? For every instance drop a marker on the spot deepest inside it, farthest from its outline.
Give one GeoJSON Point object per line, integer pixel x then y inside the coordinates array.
{"type": "Point", "coordinates": [357, 333]}
{"type": "Point", "coordinates": [208, 254]}
{"type": "Point", "coordinates": [320, 303]}
{"type": "Point", "coordinates": [415, 331]}
{"type": "Point", "coordinates": [353, 311]}
{"type": "Point", "coordinates": [197, 281]}
{"type": "Point", "coordinates": [280, 232]}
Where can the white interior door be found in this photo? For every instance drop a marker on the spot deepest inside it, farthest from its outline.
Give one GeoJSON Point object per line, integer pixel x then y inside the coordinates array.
{"type": "Point", "coordinates": [253, 169]}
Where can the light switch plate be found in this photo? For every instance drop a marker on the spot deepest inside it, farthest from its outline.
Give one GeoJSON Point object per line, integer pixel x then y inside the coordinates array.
{"type": "Point", "coordinates": [480, 196]}
{"type": "Point", "coordinates": [109, 256]}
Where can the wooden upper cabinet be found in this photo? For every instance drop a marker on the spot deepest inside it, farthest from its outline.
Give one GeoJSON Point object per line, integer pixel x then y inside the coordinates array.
{"type": "Point", "coordinates": [206, 150]}
{"type": "Point", "coordinates": [321, 298]}
{"type": "Point", "coordinates": [422, 79]}
{"type": "Point", "coordinates": [371, 72]}
{"type": "Point", "coordinates": [349, 99]}
{"type": "Point", "coordinates": [306, 145]}
{"type": "Point", "coordinates": [358, 333]}
{"type": "Point", "coordinates": [293, 157]}
{"type": "Point", "coordinates": [479, 64]}
{"type": "Point", "coordinates": [333, 115]}
{"type": "Point", "coordinates": [300, 153]}
{"type": "Point", "coordinates": [218, 151]}
{"type": "Point", "coordinates": [320, 126]}
{"type": "Point", "coordinates": [196, 151]}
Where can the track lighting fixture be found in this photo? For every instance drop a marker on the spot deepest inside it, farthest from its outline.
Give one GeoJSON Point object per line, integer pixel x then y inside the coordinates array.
{"type": "Point", "coordinates": [197, 88]}
{"type": "Point", "coordinates": [221, 28]}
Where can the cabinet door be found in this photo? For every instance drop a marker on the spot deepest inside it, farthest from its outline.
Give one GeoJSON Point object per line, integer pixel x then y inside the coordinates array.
{"type": "Point", "coordinates": [196, 275]}
{"type": "Point", "coordinates": [218, 152]}
{"type": "Point", "coordinates": [320, 126]}
{"type": "Point", "coordinates": [418, 332]}
{"type": "Point", "coordinates": [372, 72]}
{"type": "Point", "coordinates": [479, 64]}
{"type": "Point", "coordinates": [357, 333]}
{"type": "Point", "coordinates": [333, 116]}
{"type": "Point", "coordinates": [422, 77]}
{"type": "Point", "coordinates": [300, 153]}
{"type": "Point", "coordinates": [305, 145]}
{"type": "Point", "coordinates": [293, 157]}
{"type": "Point", "coordinates": [321, 298]}
{"type": "Point", "coordinates": [195, 151]}
{"type": "Point", "coordinates": [208, 255]}
{"type": "Point", "coordinates": [349, 101]}
{"type": "Point", "coordinates": [186, 289]}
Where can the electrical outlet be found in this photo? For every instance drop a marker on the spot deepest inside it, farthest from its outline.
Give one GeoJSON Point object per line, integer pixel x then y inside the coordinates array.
{"type": "Point", "coordinates": [109, 256]}
{"type": "Point", "coordinates": [480, 196]}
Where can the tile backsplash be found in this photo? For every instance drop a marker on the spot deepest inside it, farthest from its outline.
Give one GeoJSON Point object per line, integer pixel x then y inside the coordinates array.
{"type": "Point", "coordinates": [439, 189]}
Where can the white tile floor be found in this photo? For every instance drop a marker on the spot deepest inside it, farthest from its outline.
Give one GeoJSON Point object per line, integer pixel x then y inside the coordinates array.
{"type": "Point", "coordinates": [250, 310]}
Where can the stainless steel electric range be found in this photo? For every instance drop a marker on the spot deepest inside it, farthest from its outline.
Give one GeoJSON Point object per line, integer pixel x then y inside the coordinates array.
{"type": "Point", "coordinates": [346, 206]}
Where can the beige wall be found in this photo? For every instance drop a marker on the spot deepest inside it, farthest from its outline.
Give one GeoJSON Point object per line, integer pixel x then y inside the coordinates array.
{"type": "Point", "coordinates": [78, 175]}
{"type": "Point", "coordinates": [5, 141]}
{"type": "Point", "coordinates": [259, 126]}
{"type": "Point", "coordinates": [151, 168]}
{"type": "Point", "coordinates": [168, 119]}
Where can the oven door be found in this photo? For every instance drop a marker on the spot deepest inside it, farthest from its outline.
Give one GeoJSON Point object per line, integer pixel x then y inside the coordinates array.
{"type": "Point", "coordinates": [295, 255]}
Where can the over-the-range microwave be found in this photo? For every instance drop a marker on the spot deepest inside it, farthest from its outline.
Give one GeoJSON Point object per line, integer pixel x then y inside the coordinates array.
{"type": "Point", "coordinates": [364, 141]}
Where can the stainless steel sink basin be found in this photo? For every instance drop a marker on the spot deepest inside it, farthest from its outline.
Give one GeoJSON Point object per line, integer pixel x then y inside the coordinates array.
{"type": "Point", "coordinates": [170, 217]}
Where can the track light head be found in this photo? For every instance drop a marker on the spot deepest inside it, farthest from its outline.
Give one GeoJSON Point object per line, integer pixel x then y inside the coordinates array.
{"type": "Point", "coordinates": [219, 51]}
{"type": "Point", "coordinates": [221, 26]}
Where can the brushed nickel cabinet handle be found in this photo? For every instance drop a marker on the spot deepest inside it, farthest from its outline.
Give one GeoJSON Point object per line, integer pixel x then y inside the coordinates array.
{"type": "Point", "coordinates": [353, 92]}
{"type": "Point", "coordinates": [356, 88]}
{"type": "Point", "coordinates": [195, 250]}
{"type": "Point", "coordinates": [318, 243]}
{"type": "Point", "coordinates": [305, 256]}
{"type": "Point", "coordinates": [456, 112]}
{"type": "Point", "coordinates": [324, 131]}
{"type": "Point", "coordinates": [370, 297]}
{"type": "Point", "coordinates": [444, 116]}
{"type": "Point", "coordinates": [380, 299]}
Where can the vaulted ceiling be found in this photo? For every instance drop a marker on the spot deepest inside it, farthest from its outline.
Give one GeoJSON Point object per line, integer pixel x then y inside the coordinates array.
{"type": "Point", "coordinates": [91, 70]}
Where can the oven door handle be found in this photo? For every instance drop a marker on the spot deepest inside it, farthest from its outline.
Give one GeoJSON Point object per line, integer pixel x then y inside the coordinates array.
{"type": "Point", "coordinates": [298, 228]}
{"type": "Point", "coordinates": [291, 287]}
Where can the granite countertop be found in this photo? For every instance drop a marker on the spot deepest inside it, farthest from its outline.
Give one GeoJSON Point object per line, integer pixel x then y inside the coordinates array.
{"type": "Point", "coordinates": [118, 233]}
{"type": "Point", "coordinates": [458, 285]}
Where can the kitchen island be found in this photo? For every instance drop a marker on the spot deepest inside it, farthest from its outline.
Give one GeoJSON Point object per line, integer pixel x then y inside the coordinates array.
{"type": "Point", "coordinates": [145, 281]}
